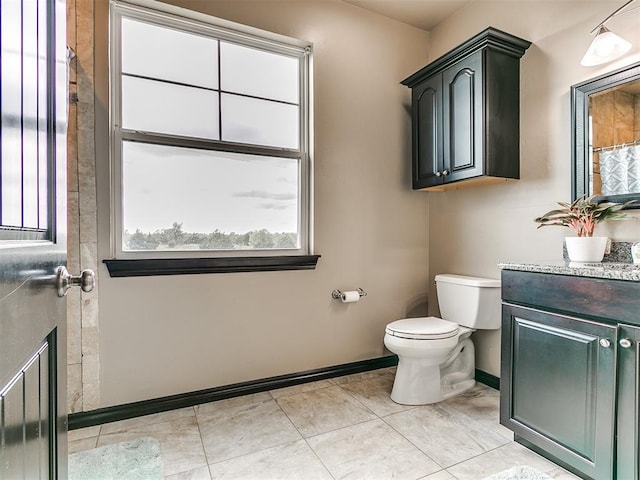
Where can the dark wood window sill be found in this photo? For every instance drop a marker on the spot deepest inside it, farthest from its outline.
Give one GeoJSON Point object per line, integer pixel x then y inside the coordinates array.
{"type": "Point", "coordinates": [188, 266]}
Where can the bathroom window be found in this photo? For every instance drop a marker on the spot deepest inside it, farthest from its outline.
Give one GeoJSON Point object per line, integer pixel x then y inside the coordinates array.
{"type": "Point", "coordinates": [210, 137]}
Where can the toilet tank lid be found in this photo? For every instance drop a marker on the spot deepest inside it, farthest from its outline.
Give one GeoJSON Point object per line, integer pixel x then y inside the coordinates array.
{"type": "Point", "coordinates": [464, 280]}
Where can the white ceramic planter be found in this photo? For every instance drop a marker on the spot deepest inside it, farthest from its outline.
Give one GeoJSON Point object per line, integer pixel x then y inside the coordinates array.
{"type": "Point", "coordinates": [586, 249]}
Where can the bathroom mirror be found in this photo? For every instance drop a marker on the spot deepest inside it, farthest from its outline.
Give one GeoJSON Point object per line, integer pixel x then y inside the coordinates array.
{"type": "Point", "coordinates": [605, 121]}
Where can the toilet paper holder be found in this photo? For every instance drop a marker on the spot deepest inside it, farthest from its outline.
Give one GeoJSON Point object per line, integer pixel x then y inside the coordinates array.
{"type": "Point", "coordinates": [337, 294]}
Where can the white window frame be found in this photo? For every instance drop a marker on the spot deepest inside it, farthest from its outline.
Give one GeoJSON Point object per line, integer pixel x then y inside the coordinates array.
{"type": "Point", "coordinates": [194, 22]}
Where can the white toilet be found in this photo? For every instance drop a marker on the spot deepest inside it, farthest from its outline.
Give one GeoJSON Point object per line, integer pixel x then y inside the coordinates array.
{"type": "Point", "coordinates": [436, 358]}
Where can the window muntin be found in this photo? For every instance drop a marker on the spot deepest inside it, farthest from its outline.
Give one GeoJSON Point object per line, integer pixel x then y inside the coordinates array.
{"type": "Point", "coordinates": [225, 170]}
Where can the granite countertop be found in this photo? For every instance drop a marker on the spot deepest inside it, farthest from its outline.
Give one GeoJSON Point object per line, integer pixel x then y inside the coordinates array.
{"type": "Point", "coordinates": [610, 270]}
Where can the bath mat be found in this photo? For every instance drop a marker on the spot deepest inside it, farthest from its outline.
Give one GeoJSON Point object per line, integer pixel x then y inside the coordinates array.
{"type": "Point", "coordinates": [519, 473]}
{"type": "Point", "coordinates": [134, 460]}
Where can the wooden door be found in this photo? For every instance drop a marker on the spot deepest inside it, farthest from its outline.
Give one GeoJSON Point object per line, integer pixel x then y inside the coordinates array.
{"type": "Point", "coordinates": [463, 119]}
{"type": "Point", "coordinates": [427, 133]}
{"type": "Point", "coordinates": [33, 85]}
{"type": "Point", "coordinates": [557, 387]}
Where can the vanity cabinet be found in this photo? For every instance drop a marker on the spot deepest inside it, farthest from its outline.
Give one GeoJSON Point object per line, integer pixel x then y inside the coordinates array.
{"type": "Point", "coordinates": [465, 113]}
{"type": "Point", "coordinates": [561, 386]}
{"type": "Point", "coordinates": [570, 370]}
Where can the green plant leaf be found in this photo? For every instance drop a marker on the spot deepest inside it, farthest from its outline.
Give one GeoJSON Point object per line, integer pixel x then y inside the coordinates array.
{"type": "Point", "coordinates": [582, 215]}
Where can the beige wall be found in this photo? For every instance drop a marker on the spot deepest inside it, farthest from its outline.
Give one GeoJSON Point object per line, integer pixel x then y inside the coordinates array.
{"type": "Point", "coordinates": [472, 230]}
{"type": "Point", "coordinates": [167, 335]}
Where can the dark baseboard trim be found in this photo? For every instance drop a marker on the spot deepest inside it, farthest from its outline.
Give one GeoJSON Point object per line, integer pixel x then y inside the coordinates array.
{"type": "Point", "coordinates": [172, 402]}
{"type": "Point", "coordinates": [488, 379]}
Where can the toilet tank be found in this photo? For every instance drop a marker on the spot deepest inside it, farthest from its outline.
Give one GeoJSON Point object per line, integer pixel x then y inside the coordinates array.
{"type": "Point", "coordinates": [473, 302]}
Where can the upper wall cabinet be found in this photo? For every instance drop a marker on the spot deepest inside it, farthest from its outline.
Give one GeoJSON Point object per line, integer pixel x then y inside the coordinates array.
{"type": "Point", "coordinates": [465, 113]}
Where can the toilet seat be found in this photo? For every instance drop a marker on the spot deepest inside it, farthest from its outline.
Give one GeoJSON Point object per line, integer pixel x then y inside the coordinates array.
{"type": "Point", "coordinates": [423, 328]}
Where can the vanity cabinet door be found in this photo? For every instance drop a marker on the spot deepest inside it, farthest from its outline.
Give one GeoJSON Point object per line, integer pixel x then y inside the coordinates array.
{"type": "Point", "coordinates": [426, 108]}
{"type": "Point", "coordinates": [558, 387]}
{"type": "Point", "coordinates": [628, 423]}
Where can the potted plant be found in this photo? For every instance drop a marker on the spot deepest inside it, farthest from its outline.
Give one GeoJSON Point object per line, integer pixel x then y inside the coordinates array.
{"type": "Point", "coordinates": [582, 216]}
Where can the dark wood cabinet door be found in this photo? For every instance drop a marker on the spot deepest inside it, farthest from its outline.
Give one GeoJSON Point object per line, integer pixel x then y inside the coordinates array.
{"type": "Point", "coordinates": [558, 387]}
{"type": "Point", "coordinates": [462, 103]}
{"type": "Point", "coordinates": [427, 133]}
{"type": "Point", "coordinates": [628, 420]}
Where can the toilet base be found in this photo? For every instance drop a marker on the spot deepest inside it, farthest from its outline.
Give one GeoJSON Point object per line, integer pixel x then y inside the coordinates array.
{"type": "Point", "coordinates": [420, 382]}
{"type": "Point", "coordinates": [414, 383]}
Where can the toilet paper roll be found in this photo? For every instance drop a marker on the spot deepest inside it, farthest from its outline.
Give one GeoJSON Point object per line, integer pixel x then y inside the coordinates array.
{"type": "Point", "coordinates": [350, 296]}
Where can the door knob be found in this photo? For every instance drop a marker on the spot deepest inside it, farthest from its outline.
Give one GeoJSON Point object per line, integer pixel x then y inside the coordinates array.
{"type": "Point", "coordinates": [625, 343]}
{"type": "Point", "coordinates": [604, 342]}
{"type": "Point", "coordinates": [438, 174]}
{"type": "Point", "coordinates": [445, 172]}
{"type": "Point", "coordinates": [64, 281]}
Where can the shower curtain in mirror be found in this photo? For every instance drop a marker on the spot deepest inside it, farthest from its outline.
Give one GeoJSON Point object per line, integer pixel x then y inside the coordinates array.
{"type": "Point", "coordinates": [620, 170]}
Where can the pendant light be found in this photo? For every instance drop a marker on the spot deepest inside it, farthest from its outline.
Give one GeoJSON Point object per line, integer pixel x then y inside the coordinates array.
{"type": "Point", "coordinates": [606, 46]}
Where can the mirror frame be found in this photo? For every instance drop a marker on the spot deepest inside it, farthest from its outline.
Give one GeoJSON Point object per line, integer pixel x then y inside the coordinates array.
{"type": "Point", "coordinates": [580, 131]}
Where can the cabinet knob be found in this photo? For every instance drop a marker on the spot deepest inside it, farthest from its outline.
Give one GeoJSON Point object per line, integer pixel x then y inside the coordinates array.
{"type": "Point", "coordinates": [438, 174]}
{"type": "Point", "coordinates": [625, 343]}
{"type": "Point", "coordinates": [604, 342]}
{"type": "Point", "coordinates": [445, 172]}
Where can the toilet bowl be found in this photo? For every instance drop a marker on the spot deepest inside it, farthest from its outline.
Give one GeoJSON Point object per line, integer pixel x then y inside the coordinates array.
{"type": "Point", "coordinates": [436, 357]}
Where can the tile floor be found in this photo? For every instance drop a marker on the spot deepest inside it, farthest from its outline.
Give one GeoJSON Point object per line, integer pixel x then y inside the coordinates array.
{"type": "Point", "coordinates": [346, 427]}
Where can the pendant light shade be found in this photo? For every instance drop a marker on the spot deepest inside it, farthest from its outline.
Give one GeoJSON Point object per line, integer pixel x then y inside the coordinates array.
{"type": "Point", "coordinates": [606, 46]}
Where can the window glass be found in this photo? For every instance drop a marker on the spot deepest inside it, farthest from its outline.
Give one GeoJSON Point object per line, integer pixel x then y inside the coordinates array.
{"type": "Point", "coordinates": [23, 123]}
{"type": "Point", "coordinates": [257, 73]}
{"type": "Point", "coordinates": [260, 122]}
{"type": "Point", "coordinates": [10, 100]}
{"type": "Point", "coordinates": [209, 126]}
{"type": "Point", "coordinates": [168, 54]}
{"type": "Point", "coordinates": [160, 107]}
{"type": "Point", "coordinates": [43, 159]}
{"type": "Point", "coordinates": [30, 115]}
{"type": "Point", "coordinates": [186, 199]}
